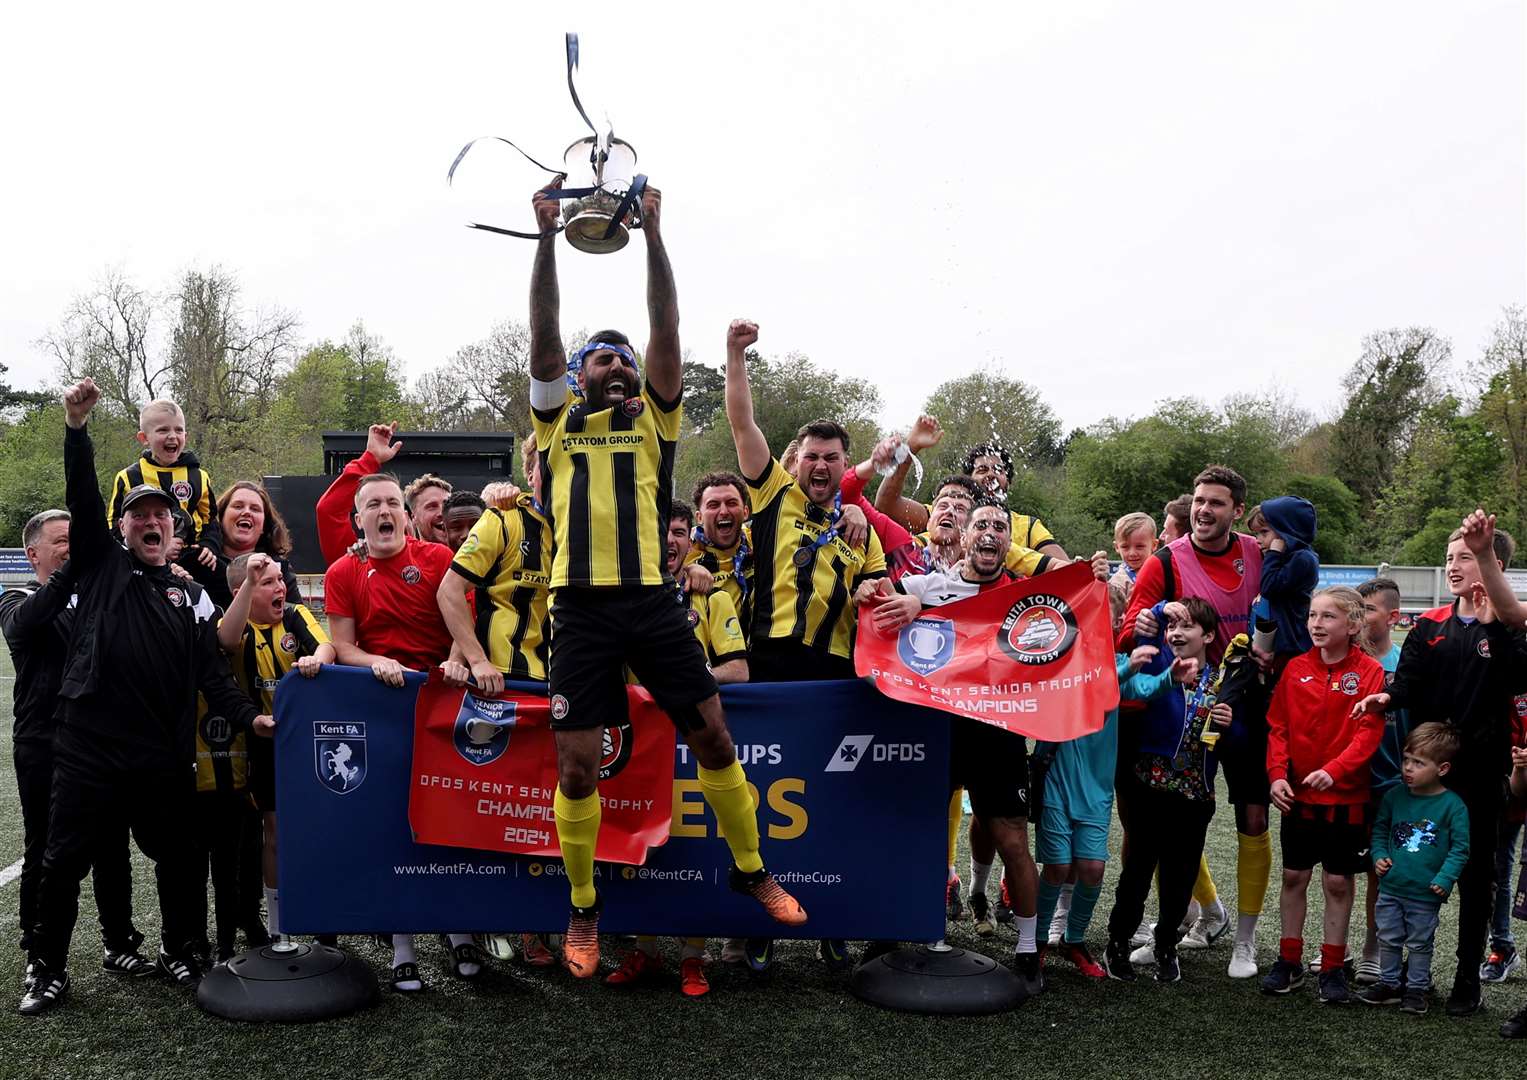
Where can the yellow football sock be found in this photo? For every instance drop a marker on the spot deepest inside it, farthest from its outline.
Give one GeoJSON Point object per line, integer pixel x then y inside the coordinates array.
{"type": "Point", "coordinates": [1203, 889]}
{"type": "Point", "coordinates": [956, 816]}
{"type": "Point", "coordinates": [578, 832]}
{"type": "Point", "coordinates": [1253, 870]}
{"type": "Point", "coordinates": [730, 800]}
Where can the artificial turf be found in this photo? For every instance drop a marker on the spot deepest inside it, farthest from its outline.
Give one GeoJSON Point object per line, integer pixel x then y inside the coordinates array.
{"type": "Point", "coordinates": [800, 1022]}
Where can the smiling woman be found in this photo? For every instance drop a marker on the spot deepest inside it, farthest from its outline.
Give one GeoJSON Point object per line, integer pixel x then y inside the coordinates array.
{"type": "Point", "coordinates": [250, 523]}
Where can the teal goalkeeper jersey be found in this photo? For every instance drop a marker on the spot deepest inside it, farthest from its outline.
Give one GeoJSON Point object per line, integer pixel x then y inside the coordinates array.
{"type": "Point", "coordinates": [1081, 776]}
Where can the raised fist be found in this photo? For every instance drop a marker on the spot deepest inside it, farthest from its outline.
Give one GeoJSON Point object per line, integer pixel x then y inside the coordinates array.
{"type": "Point", "coordinates": [741, 334]}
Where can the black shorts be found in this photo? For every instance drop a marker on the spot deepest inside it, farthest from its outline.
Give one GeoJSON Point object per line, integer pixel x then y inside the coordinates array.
{"type": "Point", "coordinates": [992, 765]}
{"type": "Point", "coordinates": [787, 660]}
{"type": "Point", "coordinates": [1243, 760]}
{"type": "Point", "coordinates": [1339, 838]}
{"type": "Point", "coordinates": [597, 633]}
{"type": "Point", "coordinates": [262, 772]}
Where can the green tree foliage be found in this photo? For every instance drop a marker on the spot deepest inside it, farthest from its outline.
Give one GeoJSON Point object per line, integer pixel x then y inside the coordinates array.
{"type": "Point", "coordinates": [32, 462]}
{"type": "Point", "coordinates": [788, 392]}
{"type": "Point", "coordinates": [1428, 545]}
{"type": "Point", "coordinates": [991, 408]}
{"type": "Point", "coordinates": [1501, 374]}
{"type": "Point", "coordinates": [1388, 390]}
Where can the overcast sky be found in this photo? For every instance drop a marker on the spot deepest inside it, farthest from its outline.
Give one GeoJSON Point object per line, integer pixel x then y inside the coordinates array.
{"type": "Point", "coordinates": [1114, 202]}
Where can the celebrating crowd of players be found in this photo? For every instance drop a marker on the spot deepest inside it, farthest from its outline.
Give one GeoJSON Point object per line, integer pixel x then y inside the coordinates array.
{"type": "Point", "coordinates": [149, 649]}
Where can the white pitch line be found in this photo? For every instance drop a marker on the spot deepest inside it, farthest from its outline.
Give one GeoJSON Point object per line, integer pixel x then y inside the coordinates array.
{"type": "Point", "coordinates": [10, 873]}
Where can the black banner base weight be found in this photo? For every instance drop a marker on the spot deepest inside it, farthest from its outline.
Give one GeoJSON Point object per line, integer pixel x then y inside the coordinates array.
{"type": "Point", "coordinates": [937, 981]}
{"type": "Point", "coordinates": [307, 983]}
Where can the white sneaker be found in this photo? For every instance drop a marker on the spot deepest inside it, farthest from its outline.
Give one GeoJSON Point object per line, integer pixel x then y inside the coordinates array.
{"type": "Point", "coordinates": [1207, 928]}
{"type": "Point", "coordinates": [1145, 935]}
{"type": "Point", "coordinates": [1243, 960]}
{"type": "Point", "coordinates": [1144, 956]}
{"type": "Point", "coordinates": [1314, 966]}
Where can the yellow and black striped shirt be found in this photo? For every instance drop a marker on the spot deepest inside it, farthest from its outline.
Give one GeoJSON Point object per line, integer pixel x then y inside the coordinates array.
{"type": "Point", "coordinates": [723, 565]}
{"type": "Point", "coordinates": [812, 604]}
{"type": "Point", "coordinates": [186, 482]}
{"type": "Point", "coordinates": [507, 555]}
{"type": "Point", "coordinates": [606, 487]}
{"type": "Point", "coordinates": [222, 757]}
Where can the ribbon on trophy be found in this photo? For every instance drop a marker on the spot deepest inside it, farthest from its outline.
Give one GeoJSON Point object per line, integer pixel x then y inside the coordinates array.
{"type": "Point", "coordinates": [598, 215]}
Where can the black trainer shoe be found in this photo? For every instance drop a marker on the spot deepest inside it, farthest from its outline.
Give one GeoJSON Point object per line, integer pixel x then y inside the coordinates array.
{"type": "Point", "coordinates": [1029, 967]}
{"type": "Point", "coordinates": [256, 936]}
{"type": "Point", "coordinates": [834, 953]}
{"type": "Point", "coordinates": [1116, 962]}
{"type": "Point", "coordinates": [1379, 994]}
{"type": "Point", "coordinates": [1333, 987]}
{"type": "Point", "coordinates": [47, 990]}
{"type": "Point", "coordinates": [760, 955]}
{"type": "Point", "coordinates": [183, 969]}
{"type": "Point", "coordinates": [1168, 970]}
{"type": "Point", "coordinates": [980, 913]}
{"type": "Point", "coordinates": [1284, 977]}
{"type": "Point", "coordinates": [1004, 909]}
{"type": "Point", "coordinates": [1515, 1026]}
{"type": "Point", "coordinates": [1464, 1000]}
{"type": "Point", "coordinates": [1415, 1002]}
{"type": "Point", "coordinates": [127, 962]}
{"type": "Point", "coordinates": [1501, 962]}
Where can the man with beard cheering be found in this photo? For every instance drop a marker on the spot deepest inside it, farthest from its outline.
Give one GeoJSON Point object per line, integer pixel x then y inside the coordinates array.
{"type": "Point", "coordinates": [606, 472]}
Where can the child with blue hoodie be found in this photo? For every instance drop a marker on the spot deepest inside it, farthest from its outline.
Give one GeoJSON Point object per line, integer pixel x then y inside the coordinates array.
{"type": "Point", "coordinates": [1171, 796]}
{"type": "Point", "coordinates": [1285, 531]}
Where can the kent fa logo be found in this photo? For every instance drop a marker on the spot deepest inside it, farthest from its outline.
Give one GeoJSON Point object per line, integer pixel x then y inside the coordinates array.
{"type": "Point", "coordinates": [339, 754]}
{"type": "Point", "coordinates": [181, 489]}
{"type": "Point", "coordinates": [849, 753]}
{"type": "Point", "coordinates": [483, 727]}
{"type": "Point", "coordinates": [1038, 629]}
{"type": "Point", "coordinates": [926, 644]}
{"type": "Point", "coordinates": [411, 575]}
{"type": "Point", "coordinates": [616, 751]}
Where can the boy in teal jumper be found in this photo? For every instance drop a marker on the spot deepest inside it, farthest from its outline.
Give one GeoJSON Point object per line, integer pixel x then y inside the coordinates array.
{"type": "Point", "coordinates": [1077, 804]}
{"type": "Point", "coordinates": [1420, 844]}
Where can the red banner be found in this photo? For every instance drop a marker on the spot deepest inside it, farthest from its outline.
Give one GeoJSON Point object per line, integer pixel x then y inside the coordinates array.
{"type": "Point", "coordinates": [485, 771]}
{"type": "Point", "coordinates": [1034, 657]}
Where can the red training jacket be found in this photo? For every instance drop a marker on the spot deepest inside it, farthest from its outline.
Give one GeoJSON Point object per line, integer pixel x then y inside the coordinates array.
{"type": "Point", "coordinates": [1310, 726]}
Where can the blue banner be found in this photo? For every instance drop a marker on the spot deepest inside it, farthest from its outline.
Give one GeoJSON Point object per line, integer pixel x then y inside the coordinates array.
{"type": "Point", "coordinates": [852, 788]}
{"type": "Point", "coordinates": [1352, 576]}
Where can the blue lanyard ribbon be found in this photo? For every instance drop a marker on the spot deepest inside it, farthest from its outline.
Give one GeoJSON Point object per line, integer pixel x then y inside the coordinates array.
{"type": "Point", "coordinates": [826, 537]}
{"type": "Point", "coordinates": [739, 560]}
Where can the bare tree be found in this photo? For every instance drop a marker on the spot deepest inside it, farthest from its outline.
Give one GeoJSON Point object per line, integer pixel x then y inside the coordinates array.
{"type": "Point", "coordinates": [106, 334]}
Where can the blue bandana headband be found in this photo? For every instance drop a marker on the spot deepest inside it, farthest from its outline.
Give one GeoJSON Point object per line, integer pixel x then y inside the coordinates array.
{"type": "Point", "coordinates": [575, 364]}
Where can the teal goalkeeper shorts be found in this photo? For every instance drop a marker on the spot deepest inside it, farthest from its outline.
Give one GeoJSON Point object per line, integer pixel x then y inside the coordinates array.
{"type": "Point", "coordinates": [1063, 838]}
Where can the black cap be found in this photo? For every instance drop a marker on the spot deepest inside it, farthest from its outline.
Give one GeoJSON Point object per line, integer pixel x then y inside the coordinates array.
{"type": "Point", "coordinates": [147, 491]}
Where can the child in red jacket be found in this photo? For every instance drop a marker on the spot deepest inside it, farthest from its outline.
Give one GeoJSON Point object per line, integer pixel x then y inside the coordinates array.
{"type": "Point", "coordinates": [1317, 763]}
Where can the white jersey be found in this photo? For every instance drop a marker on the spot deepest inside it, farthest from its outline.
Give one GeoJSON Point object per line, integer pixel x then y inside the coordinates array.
{"type": "Point", "coordinates": [943, 587]}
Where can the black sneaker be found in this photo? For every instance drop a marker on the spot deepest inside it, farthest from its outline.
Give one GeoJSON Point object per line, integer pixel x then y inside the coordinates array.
{"type": "Point", "coordinates": [834, 953]}
{"type": "Point", "coordinates": [1284, 977]}
{"type": "Point", "coordinates": [256, 936]}
{"type": "Point", "coordinates": [1515, 1026]}
{"type": "Point", "coordinates": [127, 962]}
{"type": "Point", "coordinates": [980, 913]}
{"type": "Point", "coordinates": [760, 955]}
{"type": "Point", "coordinates": [1333, 987]}
{"type": "Point", "coordinates": [47, 990]}
{"type": "Point", "coordinates": [1379, 994]}
{"type": "Point", "coordinates": [1500, 964]}
{"type": "Point", "coordinates": [1029, 967]}
{"type": "Point", "coordinates": [1464, 1000]}
{"type": "Point", "coordinates": [1168, 970]}
{"type": "Point", "coordinates": [1415, 1002]}
{"type": "Point", "coordinates": [183, 969]}
{"type": "Point", "coordinates": [1116, 962]}
{"type": "Point", "coordinates": [1003, 912]}
{"type": "Point", "coordinates": [953, 909]}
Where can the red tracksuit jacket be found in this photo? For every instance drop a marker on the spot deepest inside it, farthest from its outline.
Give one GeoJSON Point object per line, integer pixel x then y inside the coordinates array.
{"type": "Point", "coordinates": [1309, 726]}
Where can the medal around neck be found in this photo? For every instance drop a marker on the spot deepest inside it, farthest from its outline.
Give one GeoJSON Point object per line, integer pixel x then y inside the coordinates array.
{"type": "Point", "coordinates": [603, 204]}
